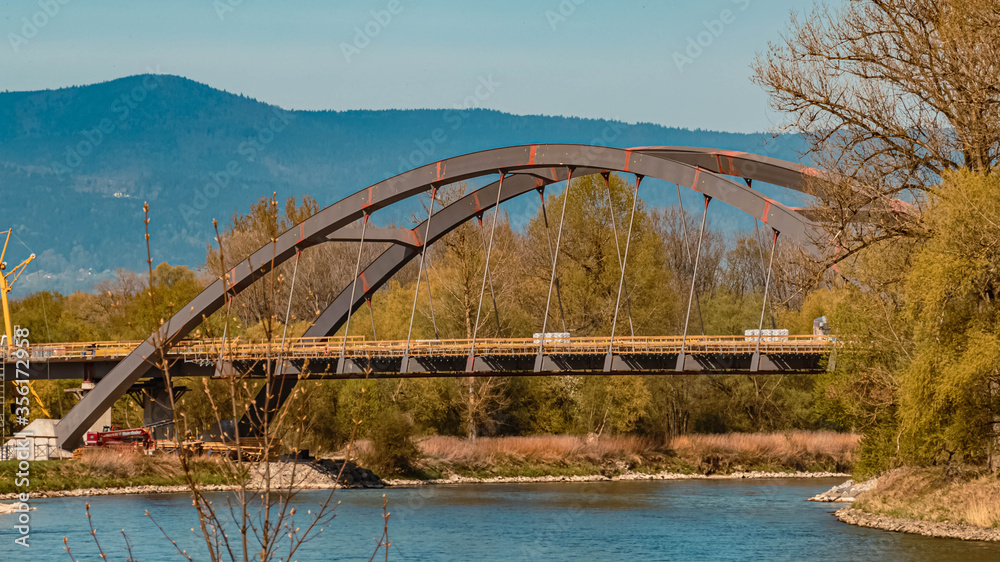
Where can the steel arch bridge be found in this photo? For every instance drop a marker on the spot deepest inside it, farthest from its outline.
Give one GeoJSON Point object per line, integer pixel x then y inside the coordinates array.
{"type": "Point", "coordinates": [716, 174]}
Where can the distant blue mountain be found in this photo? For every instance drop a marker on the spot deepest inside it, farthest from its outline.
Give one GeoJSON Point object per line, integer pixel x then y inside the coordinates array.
{"type": "Point", "coordinates": [77, 163]}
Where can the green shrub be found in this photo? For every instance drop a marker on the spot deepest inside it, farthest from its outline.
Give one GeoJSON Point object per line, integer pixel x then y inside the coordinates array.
{"type": "Point", "coordinates": [392, 449]}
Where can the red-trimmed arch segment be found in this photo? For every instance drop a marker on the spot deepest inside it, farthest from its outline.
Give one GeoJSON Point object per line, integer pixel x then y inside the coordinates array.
{"type": "Point", "coordinates": [530, 166]}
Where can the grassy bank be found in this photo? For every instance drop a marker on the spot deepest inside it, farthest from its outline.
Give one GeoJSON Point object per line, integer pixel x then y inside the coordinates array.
{"type": "Point", "coordinates": [565, 455]}
{"type": "Point", "coordinates": [110, 469]}
{"type": "Point", "coordinates": [947, 495]}
{"type": "Point", "coordinates": [545, 455]}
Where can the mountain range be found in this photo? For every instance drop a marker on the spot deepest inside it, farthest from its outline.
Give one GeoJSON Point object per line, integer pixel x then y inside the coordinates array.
{"type": "Point", "coordinates": [77, 163]}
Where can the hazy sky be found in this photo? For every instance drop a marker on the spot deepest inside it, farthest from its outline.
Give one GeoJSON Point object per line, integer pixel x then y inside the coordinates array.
{"type": "Point", "coordinates": [682, 64]}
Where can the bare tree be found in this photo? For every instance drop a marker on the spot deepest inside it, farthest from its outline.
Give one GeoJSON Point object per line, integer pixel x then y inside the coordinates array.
{"type": "Point", "coordinates": [679, 231]}
{"type": "Point", "coordinates": [473, 297]}
{"type": "Point", "coordinates": [259, 519]}
{"type": "Point", "coordinates": [324, 270]}
{"type": "Point", "coordinates": [890, 94]}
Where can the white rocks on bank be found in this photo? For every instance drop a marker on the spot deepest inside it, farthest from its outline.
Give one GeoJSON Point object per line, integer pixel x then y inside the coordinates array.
{"type": "Point", "coordinates": [456, 479]}
{"type": "Point", "coordinates": [303, 476]}
{"type": "Point", "coordinates": [925, 528]}
{"type": "Point", "coordinates": [846, 492]}
{"type": "Point", "coordinates": [320, 475]}
{"type": "Point", "coordinates": [84, 492]}
{"type": "Point", "coordinates": [8, 508]}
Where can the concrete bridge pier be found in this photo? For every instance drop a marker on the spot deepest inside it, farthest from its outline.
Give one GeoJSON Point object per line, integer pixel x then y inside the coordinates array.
{"type": "Point", "coordinates": [86, 386]}
{"type": "Point", "coordinates": [154, 397]}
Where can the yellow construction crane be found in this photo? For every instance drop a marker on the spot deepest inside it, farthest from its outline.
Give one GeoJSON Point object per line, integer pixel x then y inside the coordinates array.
{"type": "Point", "coordinates": [6, 282]}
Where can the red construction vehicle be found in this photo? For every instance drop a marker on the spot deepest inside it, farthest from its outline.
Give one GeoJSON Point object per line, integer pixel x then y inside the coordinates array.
{"type": "Point", "coordinates": [121, 438]}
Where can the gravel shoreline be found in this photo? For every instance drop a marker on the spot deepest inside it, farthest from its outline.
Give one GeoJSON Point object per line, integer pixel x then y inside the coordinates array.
{"type": "Point", "coordinates": [316, 484]}
{"type": "Point", "coordinates": [306, 476]}
{"type": "Point", "coordinates": [179, 489]}
{"type": "Point", "coordinates": [456, 479]}
{"type": "Point", "coordinates": [937, 529]}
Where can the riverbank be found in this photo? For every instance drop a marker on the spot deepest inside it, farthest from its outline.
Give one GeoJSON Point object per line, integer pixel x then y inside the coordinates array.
{"type": "Point", "coordinates": [452, 460]}
{"type": "Point", "coordinates": [946, 502]}
{"type": "Point", "coordinates": [107, 468]}
{"type": "Point", "coordinates": [937, 529]}
{"type": "Point", "coordinates": [510, 458]}
{"type": "Point", "coordinates": [105, 473]}
{"type": "Point", "coordinates": [625, 477]}
{"type": "Point", "coordinates": [308, 477]}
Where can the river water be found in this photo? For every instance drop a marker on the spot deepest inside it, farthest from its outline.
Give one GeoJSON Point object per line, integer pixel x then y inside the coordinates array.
{"type": "Point", "coordinates": [641, 520]}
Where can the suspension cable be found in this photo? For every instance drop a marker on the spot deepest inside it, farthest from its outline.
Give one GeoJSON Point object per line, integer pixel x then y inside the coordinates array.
{"type": "Point", "coordinates": [482, 287]}
{"type": "Point", "coordinates": [496, 311]}
{"type": "Point", "coordinates": [618, 251]}
{"type": "Point", "coordinates": [354, 285]}
{"type": "Point", "coordinates": [416, 292]}
{"type": "Point", "coordinates": [755, 362]}
{"type": "Point", "coordinates": [288, 309]}
{"type": "Point", "coordinates": [687, 252]}
{"type": "Point", "coordinates": [758, 238]}
{"type": "Point", "coordinates": [372, 314]}
{"type": "Point", "coordinates": [548, 237]}
{"type": "Point", "coordinates": [555, 259]}
{"type": "Point", "coordinates": [694, 280]}
{"type": "Point", "coordinates": [430, 299]}
{"type": "Point", "coordinates": [624, 262]}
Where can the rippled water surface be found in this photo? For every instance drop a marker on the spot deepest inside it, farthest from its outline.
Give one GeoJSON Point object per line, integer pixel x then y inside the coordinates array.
{"type": "Point", "coordinates": [663, 520]}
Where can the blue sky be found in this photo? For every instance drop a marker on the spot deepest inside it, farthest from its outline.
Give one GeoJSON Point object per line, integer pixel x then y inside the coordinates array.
{"type": "Point", "coordinates": [683, 64]}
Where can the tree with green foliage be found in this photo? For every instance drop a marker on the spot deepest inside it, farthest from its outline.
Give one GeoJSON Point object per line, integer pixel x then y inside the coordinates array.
{"type": "Point", "coordinates": [950, 391]}
{"type": "Point", "coordinates": [589, 263]}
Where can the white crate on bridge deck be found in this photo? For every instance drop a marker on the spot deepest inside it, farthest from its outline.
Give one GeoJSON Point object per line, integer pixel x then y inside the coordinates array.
{"type": "Point", "coordinates": [768, 335]}
{"type": "Point", "coordinates": [552, 337]}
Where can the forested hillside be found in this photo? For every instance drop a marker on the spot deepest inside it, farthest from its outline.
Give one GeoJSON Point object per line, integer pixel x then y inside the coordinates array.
{"type": "Point", "coordinates": [77, 163]}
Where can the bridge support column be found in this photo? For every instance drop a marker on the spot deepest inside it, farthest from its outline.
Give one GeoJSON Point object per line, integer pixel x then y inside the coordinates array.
{"type": "Point", "coordinates": [154, 397]}
{"type": "Point", "coordinates": [266, 404]}
{"type": "Point", "coordinates": [156, 410]}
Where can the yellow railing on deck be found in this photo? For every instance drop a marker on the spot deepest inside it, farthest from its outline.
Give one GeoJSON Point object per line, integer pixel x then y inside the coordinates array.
{"type": "Point", "coordinates": [357, 346]}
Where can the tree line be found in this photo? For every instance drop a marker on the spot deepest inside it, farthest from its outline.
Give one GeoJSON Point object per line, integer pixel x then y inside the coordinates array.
{"type": "Point", "coordinates": [899, 104]}
{"type": "Point", "coordinates": [456, 299]}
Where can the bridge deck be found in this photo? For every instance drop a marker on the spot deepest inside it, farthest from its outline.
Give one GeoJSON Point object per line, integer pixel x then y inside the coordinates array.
{"type": "Point", "coordinates": [235, 349]}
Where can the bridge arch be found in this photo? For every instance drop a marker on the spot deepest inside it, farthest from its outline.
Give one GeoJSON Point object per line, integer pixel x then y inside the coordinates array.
{"type": "Point", "coordinates": [529, 166]}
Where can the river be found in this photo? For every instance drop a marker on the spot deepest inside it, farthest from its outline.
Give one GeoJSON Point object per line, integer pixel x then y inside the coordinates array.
{"type": "Point", "coordinates": [637, 520]}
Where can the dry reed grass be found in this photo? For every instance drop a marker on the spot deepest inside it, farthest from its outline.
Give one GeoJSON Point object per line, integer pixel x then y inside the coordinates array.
{"type": "Point", "coordinates": [936, 494]}
{"type": "Point", "coordinates": [795, 449]}
{"type": "Point", "coordinates": [799, 450]}
{"type": "Point", "coordinates": [125, 463]}
{"type": "Point", "coordinates": [130, 463]}
{"type": "Point", "coordinates": [540, 449]}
